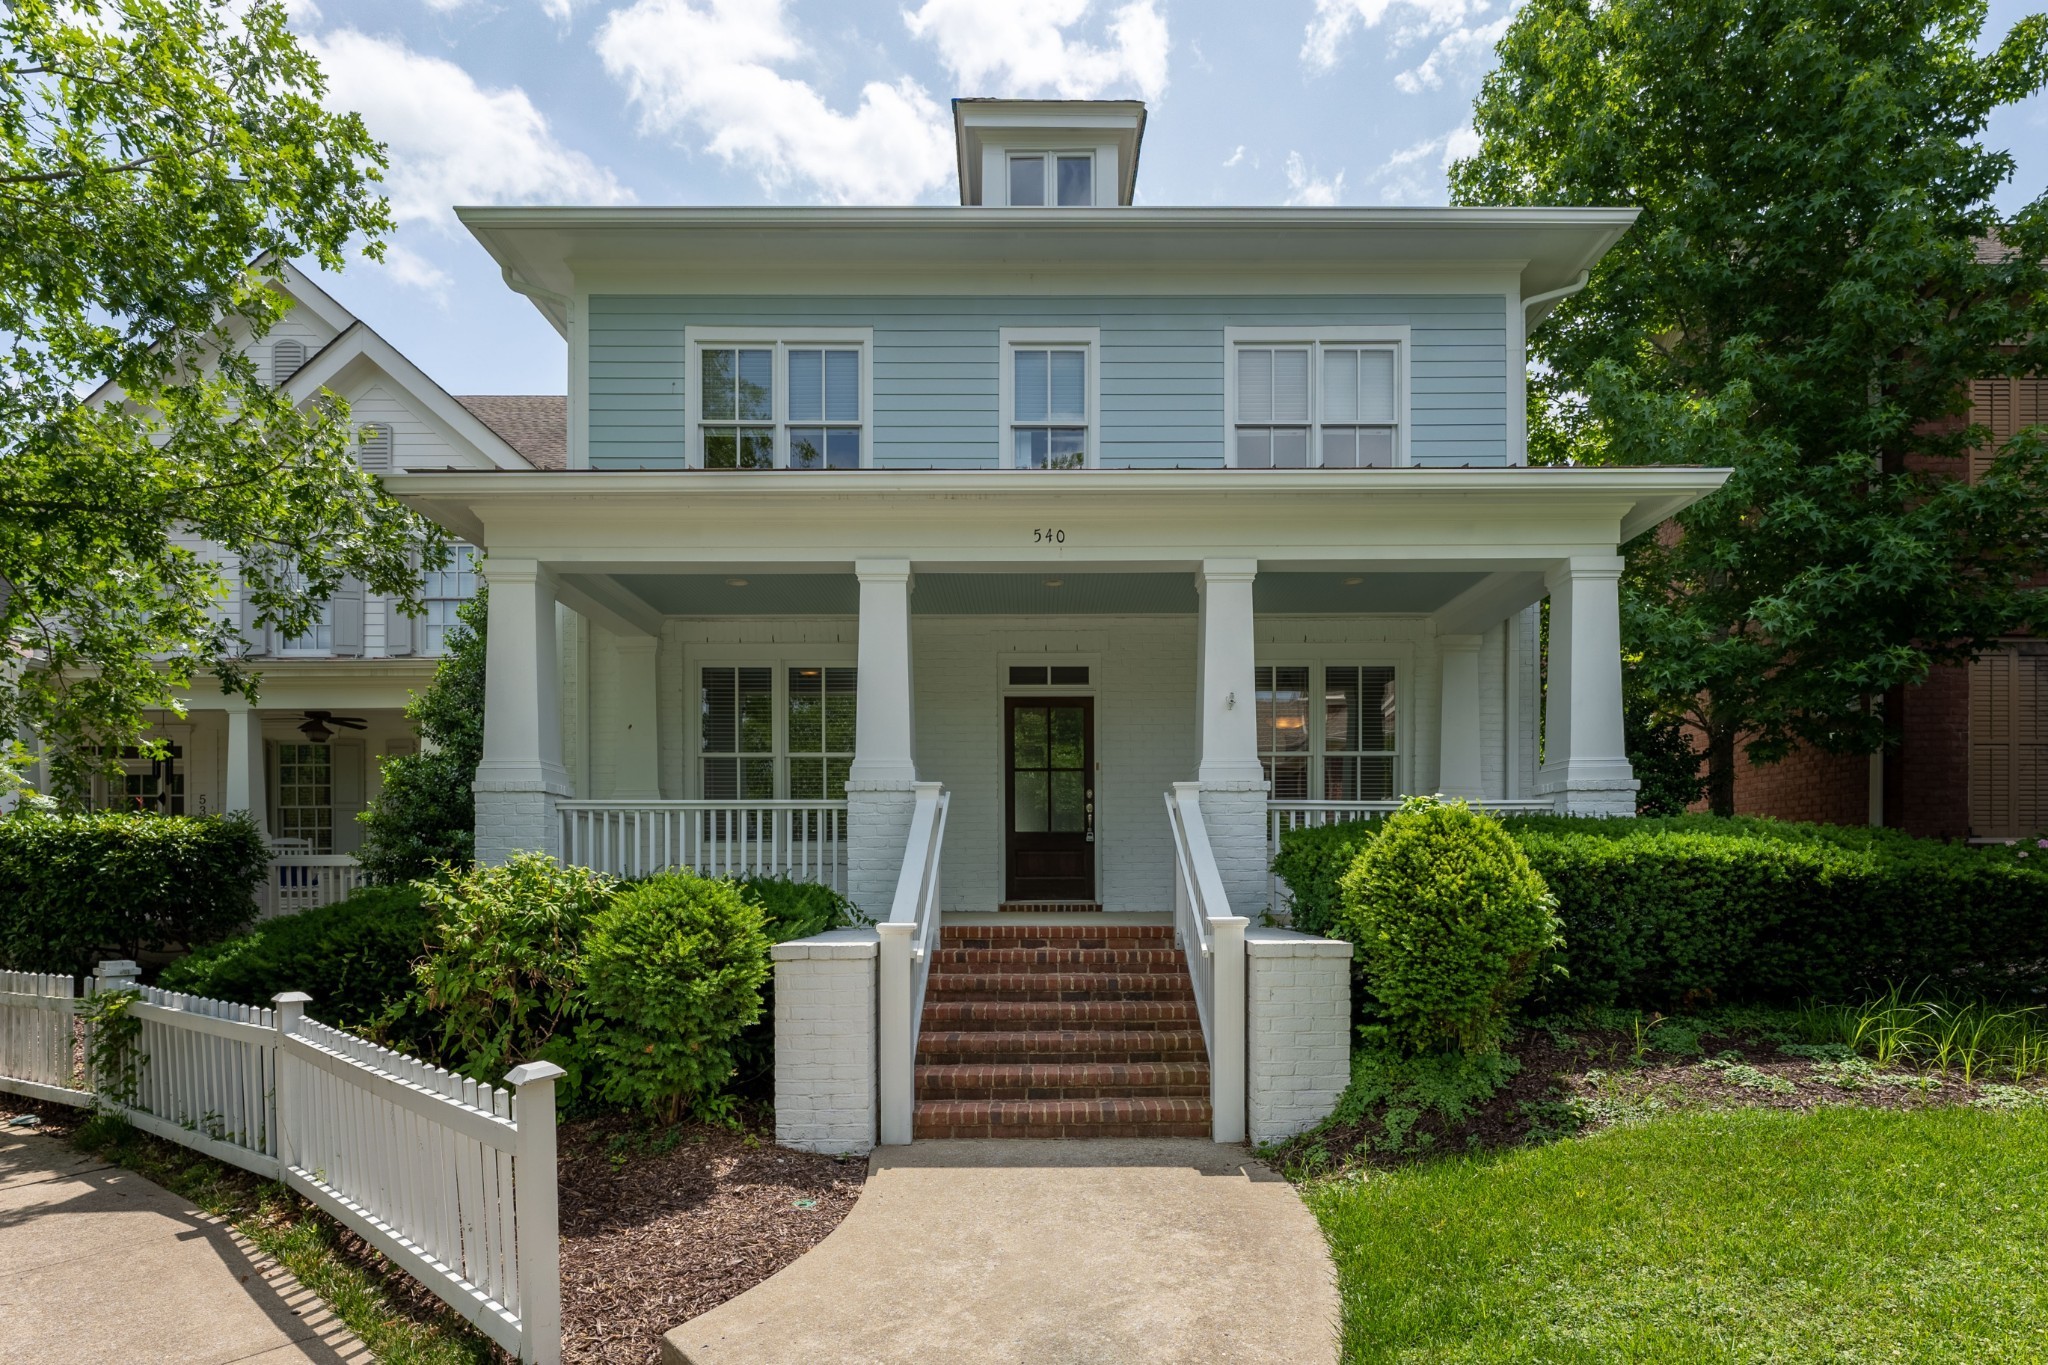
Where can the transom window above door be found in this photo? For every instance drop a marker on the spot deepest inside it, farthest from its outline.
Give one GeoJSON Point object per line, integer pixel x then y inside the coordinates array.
{"type": "Point", "coordinates": [1048, 399]}
{"type": "Point", "coordinates": [1052, 179]}
{"type": "Point", "coordinates": [1338, 743]}
{"type": "Point", "coordinates": [1330, 403]}
{"type": "Point", "coordinates": [781, 404]}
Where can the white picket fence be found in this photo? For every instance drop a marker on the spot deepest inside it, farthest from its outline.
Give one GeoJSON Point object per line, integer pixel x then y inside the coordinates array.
{"type": "Point", "coordinates": [452, 1180]}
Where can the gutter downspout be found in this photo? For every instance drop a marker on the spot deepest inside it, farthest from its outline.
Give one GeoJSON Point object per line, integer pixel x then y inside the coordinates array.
{"type": "Point", "coordinates": [1537, 300]}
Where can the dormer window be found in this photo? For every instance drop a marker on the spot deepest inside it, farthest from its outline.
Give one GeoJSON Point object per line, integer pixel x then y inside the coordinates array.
{"type": "Point", "coordinates": [1061, 179]}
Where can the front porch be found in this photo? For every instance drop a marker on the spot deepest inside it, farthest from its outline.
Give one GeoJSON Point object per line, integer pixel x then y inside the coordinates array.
{"type": "Point", "coordinates": [947, 694]}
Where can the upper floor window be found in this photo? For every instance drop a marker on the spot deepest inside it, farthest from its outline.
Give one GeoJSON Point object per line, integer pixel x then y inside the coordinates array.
{"type": "Point", "coordinates": [445, 590]}
{"type": "Point", "coordinates": [775, 403]}
{"type": "Point", "coordinates": [319, 637]}
{"type": "Point", "coordinates": [1336, 401]}
{"type": "Point", "coordinates": [1049, 398]}
{"type": "Point", "coordinates": [1056, 179]}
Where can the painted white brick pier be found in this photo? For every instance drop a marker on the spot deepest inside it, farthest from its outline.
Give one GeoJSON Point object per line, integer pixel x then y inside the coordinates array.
{"type": "Point", "coordinates": [1297, 1030]}
{"type": "Point", "coordinates": [825, 1044]}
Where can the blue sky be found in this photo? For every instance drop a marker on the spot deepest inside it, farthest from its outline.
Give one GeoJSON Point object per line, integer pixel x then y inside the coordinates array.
{"type": "Point", "coordinates": [844, 101]}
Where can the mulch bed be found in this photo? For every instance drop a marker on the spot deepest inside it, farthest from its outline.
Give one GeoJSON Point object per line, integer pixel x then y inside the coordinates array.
{"type": "Point", "coordinates": [1589, 1079]}
{"type": "Point", "coordinates": [659, 1225]}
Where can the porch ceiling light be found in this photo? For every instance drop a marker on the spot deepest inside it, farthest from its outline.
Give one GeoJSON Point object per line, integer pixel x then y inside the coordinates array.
{"type": "Point", "coordinates": [1353, 582]}
{"type": "Point", "coordinates": [1055, 582]}
{"type": "Point", "coordinates": [735, 582]}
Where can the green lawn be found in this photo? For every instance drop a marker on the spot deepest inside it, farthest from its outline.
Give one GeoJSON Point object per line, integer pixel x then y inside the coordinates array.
{"type": "Point", "coordinates": [1840, 1235]}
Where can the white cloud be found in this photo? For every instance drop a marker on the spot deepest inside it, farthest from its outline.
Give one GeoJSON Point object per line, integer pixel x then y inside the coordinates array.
{"type": "Point", "coordinates": [1234, 157]}
{"type": "Point", "coordinates": [1022, 47]}
{"type": "Point", "coordinates": [453, 141]}
{"type": "Point", "coordinates": [1415, 19]}
{"type": "Point", "coordinates": [406, 266]}
{"type": "Point", "coordinates": [1455, 47]}
{"type": "Point", "coordinates": [1304, 187]}
{"type": "Point", "coordinates": [445, 6]}
{"type": "Point", "coordinates": [709, 72]}
{"type": "Point", "coordinates": [561, 11]}
{"type": "Point", "coordinates": [1416, 173]}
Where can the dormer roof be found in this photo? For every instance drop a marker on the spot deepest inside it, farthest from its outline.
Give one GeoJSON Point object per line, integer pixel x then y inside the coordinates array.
{"type": "Point", "coordinates": [985, 129]}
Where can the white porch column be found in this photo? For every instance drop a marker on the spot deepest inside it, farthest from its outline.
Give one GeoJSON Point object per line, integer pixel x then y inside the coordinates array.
{"type": "Point", "coordinates": [1233, 781]}
{"type": "Point", "coordinates": [1458, 736]}
{"type": "Point", "coordinates": [246, 788]}
{"type": "Point", "coordinates": [521, 775]}
{"type": "Point", "coordinates": [1585, 756]}
{"type": "Point", "coordinates": [879, 787]}
{"type": "Point", "coordinates": [637, 772]}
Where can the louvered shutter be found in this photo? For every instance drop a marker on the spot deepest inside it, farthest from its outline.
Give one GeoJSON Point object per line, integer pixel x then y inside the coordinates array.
{"type": "Point", "coordinates": [348, 618]}
{"type": "Point", "coordinates": [346, 759]}
{"type": "Point", "coordinates": [373, 448]}
{"type": "Point", "coordinates": [2009, 743]}
{"type": "Point", "coordinates": [287, 357]}
{"type": "Point", "coordinates": [399, 629]}
{"type": "Point", "coordinates": [1991, 405]}
{"type": "Point", "coordinates": [256, 636]}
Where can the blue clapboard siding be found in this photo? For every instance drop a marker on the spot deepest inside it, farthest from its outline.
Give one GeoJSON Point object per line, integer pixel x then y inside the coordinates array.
{"type": "Point", "coordinates": [935, 362]}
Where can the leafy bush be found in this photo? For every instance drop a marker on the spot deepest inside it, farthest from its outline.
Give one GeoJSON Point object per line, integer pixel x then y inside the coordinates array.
{"type": "Point", "coordinates": [501, 977]}
{"type": "Point", "coordinates": [425, 815]}
{"type": "Point", "coordinates": [1450, 925]}
{"type": "Point", "coordinates": [672, 972]}
{"type": "Point", "coordinates": [353, 957]}
{"type": "Point", "coordinates": [1660, 913]}
{"type": "Point", "coordinates": [796, 909]}
{"type": "Point", "coordinates": [77, 887]}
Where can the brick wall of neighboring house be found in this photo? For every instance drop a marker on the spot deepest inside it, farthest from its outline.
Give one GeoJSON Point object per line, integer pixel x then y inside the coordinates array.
{"type": "Point", "coordinates": [1831, 789]}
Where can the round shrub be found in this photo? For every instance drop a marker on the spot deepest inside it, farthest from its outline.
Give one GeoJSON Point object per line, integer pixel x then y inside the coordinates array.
{"type": "Point", "coordinates": [672, 972]}
{"type": "Point", "coordinates": [1450, 924]}
{"type": "Point", "coordinates": [353, 957]}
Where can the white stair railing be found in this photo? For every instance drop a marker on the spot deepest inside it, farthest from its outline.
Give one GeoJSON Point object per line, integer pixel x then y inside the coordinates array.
{"type": "Point", "coordinates": [1213, 940]}
{"type": "Point", "coordinates": [909, 937]}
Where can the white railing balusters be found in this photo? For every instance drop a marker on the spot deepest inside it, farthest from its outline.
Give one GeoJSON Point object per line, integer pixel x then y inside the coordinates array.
{"type": "Point", "coordinates": [1213, 941]}
{"type": "Point", "coordinates": [800, 840]}
{"type": "Point", "coordinates": [909, 940]}
{"type": "Point", "coordinates": [305, 881]}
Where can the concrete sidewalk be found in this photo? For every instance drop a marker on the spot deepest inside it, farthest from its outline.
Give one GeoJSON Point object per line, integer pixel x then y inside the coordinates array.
{"type": "Point", "coordinates": [1123, 1252]}
{"type": "Point", "coordinates": [97, 1263]}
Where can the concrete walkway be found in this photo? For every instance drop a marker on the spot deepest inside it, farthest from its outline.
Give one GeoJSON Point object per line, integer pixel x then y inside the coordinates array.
{"type": "Point", "coordinates": [1054, 1253]}
{"type": "Point", "coordinates": [97, 1263]}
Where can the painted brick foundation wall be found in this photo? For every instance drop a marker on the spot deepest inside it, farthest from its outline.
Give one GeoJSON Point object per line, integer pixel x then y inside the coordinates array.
{"type": "Point", "coordinates": [1297, 1030]}
{"type": "Point", "coordinates": [825, 1098]}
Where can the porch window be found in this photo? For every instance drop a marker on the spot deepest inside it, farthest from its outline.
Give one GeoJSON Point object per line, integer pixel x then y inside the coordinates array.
{"type": "Point", "coordinates": [445, 590]}
{"type": "Point", "coordinates": [1049, 398]}
{"type": "Point", "coordinates": [1331, 403]}
{"type": "Point", "coordinates": [1343, 749]}
{"type": "Point", "coordinates": [769, 733]}
{"type": "Point", "coordinates": [782, 403]}
{"type": "Point", "coordinates": [305, 795]}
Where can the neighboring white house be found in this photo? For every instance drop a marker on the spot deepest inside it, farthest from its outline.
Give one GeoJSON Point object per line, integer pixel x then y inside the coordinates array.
{"type": "Point", "coordinates": [293, 760]}
{"type": "Point", "coordinates": [1058, 502]}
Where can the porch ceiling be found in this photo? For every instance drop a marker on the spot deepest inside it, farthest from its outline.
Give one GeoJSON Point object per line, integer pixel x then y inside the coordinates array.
{"type": "Point", "coordinates": [1044, 593]}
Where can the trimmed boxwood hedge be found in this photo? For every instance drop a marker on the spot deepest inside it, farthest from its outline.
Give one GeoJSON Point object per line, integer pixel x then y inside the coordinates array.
{"type": "Point", "coordinates": [1688, 909]}
{"type": "Point", "coordinates": [75, 888]}
{"type": "Point", "coordinates": [353, 957]}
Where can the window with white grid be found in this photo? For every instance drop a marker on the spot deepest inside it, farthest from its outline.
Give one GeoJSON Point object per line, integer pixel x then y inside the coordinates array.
{"type": "Point", "coordinates": [1328, 732]}
{"type": "Point", "coordinates": [305, 795]}
{"type": "Point", "coordinates": [781, 403]}
{"type": "Point", "coordinates": [776, 732]}
{"type": "Point", "coordinates": [1049, 397]}
{"type": "Point", "coordinates": [444, 591]}
{"type": "Point", "coordinates": [1314, 403]}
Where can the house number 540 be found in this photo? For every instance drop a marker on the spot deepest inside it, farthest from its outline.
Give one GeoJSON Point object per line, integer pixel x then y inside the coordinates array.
{"type": "Point", "coordinates": [1048, 535]}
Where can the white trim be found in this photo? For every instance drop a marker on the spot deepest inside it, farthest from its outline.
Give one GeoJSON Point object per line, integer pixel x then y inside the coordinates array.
{"type": "Point", "coordinates": [344, 364]}
{"type": "Point", "coordinates": [781, 340]}
{"type": "Point", "coordinates": [1315, 338]}
{"type": "Point", "coordinates": [1318, 657]}
{"type": "Point", "coordinates": [1086, 339]}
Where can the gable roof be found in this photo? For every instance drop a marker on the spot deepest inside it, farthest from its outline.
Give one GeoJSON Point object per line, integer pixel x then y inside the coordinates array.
{"type": "Point", "coordinates": [534, 424]}
{"type": "Point", "coordinates": [359, 352]}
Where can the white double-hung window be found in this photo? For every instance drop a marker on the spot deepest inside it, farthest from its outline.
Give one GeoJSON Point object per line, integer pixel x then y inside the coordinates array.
{"type": "Point", "coordinates": [1329, 399]}
{"type": "Point", "coordinates": [770, 401]}
{"type": "Point", "coordinates": [1329, 730]}
{"type": "Point", "coordinates": [1050, 396]}
{"type": "Point", "coordinates": [1051, 179]}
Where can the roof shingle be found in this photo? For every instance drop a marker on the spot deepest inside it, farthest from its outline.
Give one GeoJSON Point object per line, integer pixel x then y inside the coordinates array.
{"type": "Point", "coordinates": [534, 424]}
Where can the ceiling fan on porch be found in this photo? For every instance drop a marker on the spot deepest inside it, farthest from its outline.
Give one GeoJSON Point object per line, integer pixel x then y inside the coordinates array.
{"type": "Point", "coordinates": [317, 723]}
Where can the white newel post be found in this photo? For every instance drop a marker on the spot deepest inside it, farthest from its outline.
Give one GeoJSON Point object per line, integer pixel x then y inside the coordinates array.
{"type": "Point", "coordinates": [879, 787]}
{"type": "Point", "coordinates": [113, 974]}
{"type": "Point", "coordinates": [537, 1223]}
{"type": "Point", "coordinates": [291, 1008]}
{"type": "Point", "coordinates": [521, 775]}
{"type": "Point", "coordinates": [638, 773]}
{"type": "Point", "coordinates": [1233, 780]}
{"type": "Point", "coordinates": [1585, 754]}
{"type": "Point", "coordinates": [1458, 743]}
{"type": "Point", "coordinates": [245, 782]}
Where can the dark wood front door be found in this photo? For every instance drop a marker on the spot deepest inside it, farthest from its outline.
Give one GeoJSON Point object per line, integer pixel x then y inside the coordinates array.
{"type": "Point", "coordinates": [1049, 772]}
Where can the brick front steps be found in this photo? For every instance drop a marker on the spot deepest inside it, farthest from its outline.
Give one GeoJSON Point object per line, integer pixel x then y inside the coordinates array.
{"type": "Point", "coordinates": [1060, 1031]}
